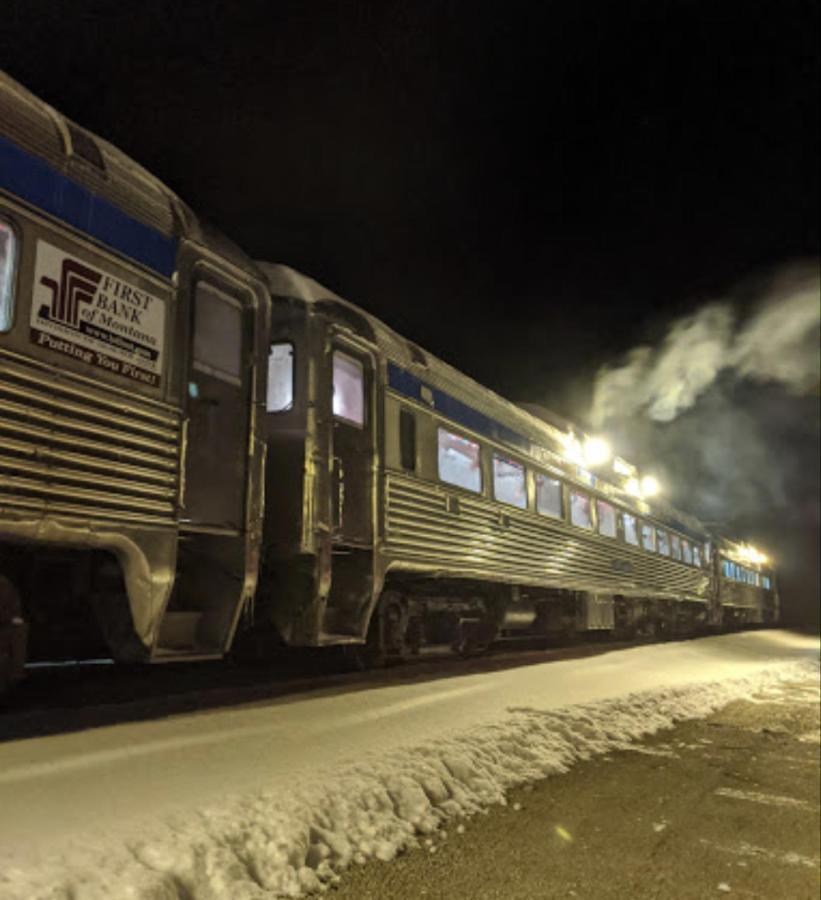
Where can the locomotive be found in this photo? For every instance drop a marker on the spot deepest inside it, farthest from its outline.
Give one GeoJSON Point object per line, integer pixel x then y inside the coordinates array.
{"type": "Point", "coordinates": [197, 449]}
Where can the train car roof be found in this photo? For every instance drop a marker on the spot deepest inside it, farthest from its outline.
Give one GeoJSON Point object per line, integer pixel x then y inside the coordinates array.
{"type": "Point", "coordinates": [77, 177]}
{"type": "Point", "coordinates": [285, 282]}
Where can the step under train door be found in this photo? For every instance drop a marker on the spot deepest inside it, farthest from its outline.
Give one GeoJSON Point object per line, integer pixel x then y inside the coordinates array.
{"type": "Point", "coordinates": [219, 387]}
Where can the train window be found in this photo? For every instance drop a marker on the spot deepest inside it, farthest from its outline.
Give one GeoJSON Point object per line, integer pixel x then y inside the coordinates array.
{"type": "Point", "coordinates": [697, 555]}
{"type": "Point", "coordinates": [648, 537]}
{"type": "Point", "coordinates": [607, 518]}
{"type": "Point", "coordinates": [663, 542]}
{"type": "Point", "coordinates": [349, 389]}
{"type": "Point", "coordinates": [8, 258]}
{"type": "Point", "coordinates": [631, 529]}
{"type": "Point", "coordinates": [407, 440]}
{"type": "Point", "coordinates": [459, 461]}
{"type": "Point", "coordinates": [217, 334]}
{"type": "Point", "coordinates": [548, 496]}
{"type": "Point", "coordinates": [675, 547]}
{"type": "Point", "coordinates": [280, 394]}
{"type": "Point", "coordinates": [580, 512]}
{"type": "Point", "coordinates": [509, 482]}
{"type": "Point", "coordinates": [708, 552]}
{"type": "Point", "coordinates": [765, 582]}
{"type": "Point", "coordinates": [725, 567]}
{"type": "Point", "coordinates": [686, 552]}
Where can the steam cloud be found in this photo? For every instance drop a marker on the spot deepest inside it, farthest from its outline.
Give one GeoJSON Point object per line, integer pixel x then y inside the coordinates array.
{"type": "Point", "coordinates": [778, 343]}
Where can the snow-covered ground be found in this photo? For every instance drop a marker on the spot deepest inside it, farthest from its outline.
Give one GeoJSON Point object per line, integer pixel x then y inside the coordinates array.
{"type": "Point", "coordinates": [277, 798]}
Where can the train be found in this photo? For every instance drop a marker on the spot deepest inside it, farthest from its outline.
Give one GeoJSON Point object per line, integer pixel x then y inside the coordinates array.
{"type": "Point", "coordinates": [201, 452]}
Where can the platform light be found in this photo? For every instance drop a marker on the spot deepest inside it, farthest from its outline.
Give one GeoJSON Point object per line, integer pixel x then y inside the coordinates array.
{"type": "Point", "coordinates": [650, 486]}
{"type": "Point", "coordinates": [633, 487]}
{"type": "Point", "coordinates": [596, 451]}
{"type": "Point", "coordinates": [622, 467]}
{"type": "Point", "coordinates": [753, 555]}
{"type": "Point", "coordinates": [572, 449]}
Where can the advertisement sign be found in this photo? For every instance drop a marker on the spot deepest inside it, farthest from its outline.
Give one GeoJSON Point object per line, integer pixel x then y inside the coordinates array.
{"type": "Point", "coordinates": [95, 316]}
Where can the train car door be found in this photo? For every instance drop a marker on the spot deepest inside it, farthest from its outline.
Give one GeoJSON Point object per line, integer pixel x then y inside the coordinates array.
{"type": "Point", "coordinates": [353, 437]}
{"type": "Point", "coordinates": [218, 388]}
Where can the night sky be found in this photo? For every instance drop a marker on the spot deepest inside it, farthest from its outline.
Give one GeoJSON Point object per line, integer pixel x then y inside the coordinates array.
{"type": "Point", "coordinates": [527, 190]}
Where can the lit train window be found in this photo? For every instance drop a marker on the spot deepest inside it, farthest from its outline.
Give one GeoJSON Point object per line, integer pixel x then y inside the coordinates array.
{"type": "Point", "coordinates": [8, 258]}
{"type": "Point", "coordinates": [697, 555]}
{"type": "Point", "coordinates": [509, 482]}
{"type": "Point", "coordinates": [349, 389]}
{"type": "Point", "coordinates": [725, 567]}
{"type": "Point", "coordinates": [548, 496]}
{"type": "Point", "coordinates": [675, 547]}
{"type": "Point", "coordinates": [459, 461]}
{"type": "Point", "coordinates": [765, 582]}
{"type": "Point", "coordinates": [607, 518]}
{"type": "Point", "coordinates": [648, 537]}
{"type": "Point", "coordinates": [686, 552]}
{"type": "Point", "coordinates": [280, 394]}
{"type": "Point", "coordinates": [708, 551]}
{"type": "Point", "coordinates": [580, 513]}
{"type": "Point", "coordinates": [217, 334]}
{"type": "Point", "coordinates": [631, 529]}
{"type": "Point", "coordinates": [663, 542]}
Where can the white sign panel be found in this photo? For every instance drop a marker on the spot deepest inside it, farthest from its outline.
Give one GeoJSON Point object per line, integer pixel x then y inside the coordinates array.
{"type": "Point", "coordinates": [92, 315]}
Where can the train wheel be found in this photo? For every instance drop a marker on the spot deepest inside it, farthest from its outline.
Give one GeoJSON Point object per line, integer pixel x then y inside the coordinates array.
{"type": "Point", "coordinates": [387, 635]}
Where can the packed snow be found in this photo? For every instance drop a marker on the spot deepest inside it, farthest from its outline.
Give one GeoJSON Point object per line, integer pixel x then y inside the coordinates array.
{"type": "Point", "coordinates": [277, 799]}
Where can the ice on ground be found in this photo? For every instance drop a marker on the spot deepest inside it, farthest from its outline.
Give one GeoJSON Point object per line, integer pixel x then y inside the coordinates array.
{"type": "Point", "coordinates": [276, 800]}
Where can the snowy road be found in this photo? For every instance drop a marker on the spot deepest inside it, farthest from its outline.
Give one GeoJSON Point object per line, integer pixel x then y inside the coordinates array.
{"type": "Point", "coordinates": [264, 800]}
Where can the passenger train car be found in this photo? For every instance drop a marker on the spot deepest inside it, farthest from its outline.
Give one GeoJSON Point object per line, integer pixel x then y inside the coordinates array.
{"type": "Point", "coordinates": [196, 447]}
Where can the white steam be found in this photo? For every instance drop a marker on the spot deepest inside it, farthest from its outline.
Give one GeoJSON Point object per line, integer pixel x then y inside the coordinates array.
{"type": "Point", "coordinates": [779, 343]}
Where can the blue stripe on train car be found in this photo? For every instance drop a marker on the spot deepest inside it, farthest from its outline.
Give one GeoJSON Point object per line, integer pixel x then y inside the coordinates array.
{"type": "Point", "coordinates": [33, 180]}
{"type": "Point", "coordinates": [407, 384]}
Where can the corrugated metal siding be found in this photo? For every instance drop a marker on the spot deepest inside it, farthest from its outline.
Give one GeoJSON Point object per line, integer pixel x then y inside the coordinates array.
{"type": "Point", "coordinates": [530, 548]}
{"type": "Point", "coordinates": [70, 450]}
{"type": "Point", "coordinates": [27, 123]}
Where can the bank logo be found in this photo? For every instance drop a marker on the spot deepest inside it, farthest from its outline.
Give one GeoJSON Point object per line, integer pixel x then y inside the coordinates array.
{"type": "Point", "coordinates": [97, 316]}
{"type": "Point", "coordinates": [78, 284]}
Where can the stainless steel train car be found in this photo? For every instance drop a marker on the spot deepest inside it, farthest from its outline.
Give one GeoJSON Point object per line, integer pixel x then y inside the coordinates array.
{"type": "Point", "coordinates": [417, 507]}
{"type": "Point", "coordinates": [132, 369]}
{"type": "Point", "coordinates": [194, 446]}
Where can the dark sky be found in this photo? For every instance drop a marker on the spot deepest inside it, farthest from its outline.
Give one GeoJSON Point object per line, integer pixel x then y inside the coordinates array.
{"type": "Point", "coordinates": [527, 190]}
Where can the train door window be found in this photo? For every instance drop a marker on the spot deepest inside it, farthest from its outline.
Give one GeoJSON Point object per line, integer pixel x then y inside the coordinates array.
{"type": "Point", "coordinates": [8, 259]}
{"type": "Point", "coordinates": [580, 511]}
{"type": "Point", "coordinates": [675, 547]}
{"type": "Point", "coordinates": [648, 537]}
{"type": "Point", "coordinates": [697, 555]}
{"type": "Point", "coordinates": [509, 482]}
{"type": "Point", "coordinates": [663, 542]}
{"type": "Point", "coordinates": [548, 496]}
{"type": "Point", "coordinates": [280, 396]}
{"type": "Point", "coordinates": [217, 346]}
{"type": "Point", "coordinates": [631, 529]}
{"type": "Point", "coordinates": [686, 552]}
{"type": "Point", "coordinates": [407, 440]}
{"type": "Point", "coordinates": [607, 518]}
{"type": "Point", "coordinates": [349, 389]}
{"type": "Point", "coordinates": [459, 461]}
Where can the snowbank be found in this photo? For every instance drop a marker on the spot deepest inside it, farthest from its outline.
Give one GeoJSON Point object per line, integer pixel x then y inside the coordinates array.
{"type": "Point", "coordinates": [284, 842]}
